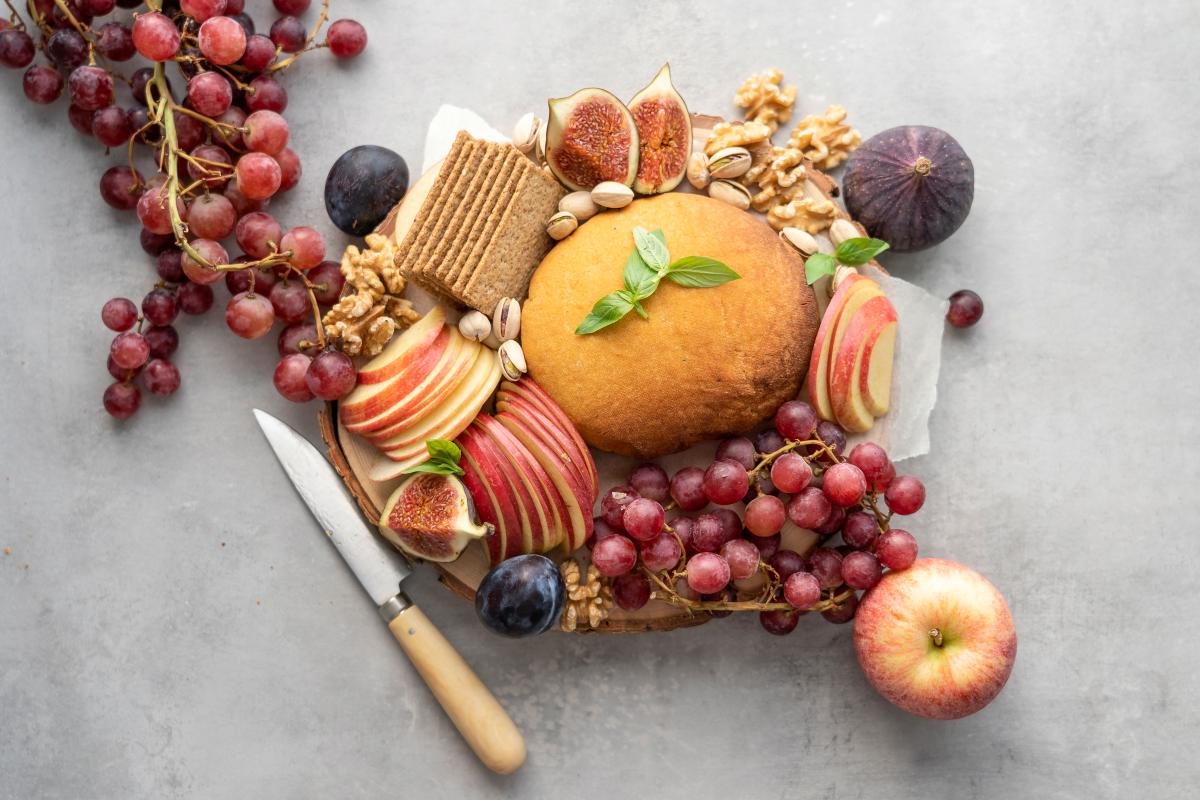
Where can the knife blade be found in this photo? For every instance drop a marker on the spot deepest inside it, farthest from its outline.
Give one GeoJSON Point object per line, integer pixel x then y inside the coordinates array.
{"type": "Point", "coordinates": [380, 570]}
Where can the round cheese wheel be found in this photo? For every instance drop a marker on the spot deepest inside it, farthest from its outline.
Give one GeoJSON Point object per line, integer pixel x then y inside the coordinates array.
{"type": "Point", "coordinates": [707, 363]}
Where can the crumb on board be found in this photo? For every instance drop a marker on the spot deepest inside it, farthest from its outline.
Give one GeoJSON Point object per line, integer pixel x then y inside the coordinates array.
{"type": "Point", "coordinates": [8, 551]}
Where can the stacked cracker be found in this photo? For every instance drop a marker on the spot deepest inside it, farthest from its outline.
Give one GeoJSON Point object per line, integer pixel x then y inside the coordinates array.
{"type": "Point", "coordinates": [480, 232]}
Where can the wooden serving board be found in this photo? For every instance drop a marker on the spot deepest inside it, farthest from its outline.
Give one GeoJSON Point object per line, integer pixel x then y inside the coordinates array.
{"type": "Point", "coordinates": [351, 455]}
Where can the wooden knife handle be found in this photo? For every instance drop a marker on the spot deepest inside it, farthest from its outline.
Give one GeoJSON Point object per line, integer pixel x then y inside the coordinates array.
{"type": "Point", "coordinates": [472, 708]}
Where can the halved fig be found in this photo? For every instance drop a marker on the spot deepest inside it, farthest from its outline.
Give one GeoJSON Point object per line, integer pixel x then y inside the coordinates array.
{"type": "Point", "coordinates": [591, 138]}
{"type": "Point", "coordinates": [664, 129]}
{"type": "Point", "coordinates": [431, 517]}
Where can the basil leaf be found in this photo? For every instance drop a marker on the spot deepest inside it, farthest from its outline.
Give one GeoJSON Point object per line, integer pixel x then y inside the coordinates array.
{"type": "Point", "coordinates": [699, 272]}
{"type": "Point", "coordinates": [817, 266]}
{"type": "Point", "coordinates": [443, 459]}
{"type": "Point", "coordinates": [639, 278]}
{"type": "Point", "coordinates": [653, 248]}
{"type": "Point", "coordinates": [856, 252]}
{"type": "Point", "coordinates": [608, 309]}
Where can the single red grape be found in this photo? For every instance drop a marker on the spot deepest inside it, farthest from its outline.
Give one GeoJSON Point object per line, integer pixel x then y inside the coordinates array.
{"type": "Point", "coordinates": [260, 52]}
{"type": "Point", "coordinates": [16, 48]}
{"type": "Point", "coordinates": [258, 177]}
{"type": "Point", "coordinates": [155, 243]}
{"type": "Point", "coordinates": [631, 591]}
{"type": "Point", "coordinates": [825, 564]}
{"type": "Point", "coordinates": [790, 473]}
{"type": "Point", "coordinates": [241, 204]}
{"type": "Point", "coordinates": [796, 420]}
{"type": "Point", "coordinates": [119, 314]}
{"type": "Point", "coordinates": [114, 40]}
{"type": "Point", "coordinates": [684, 528]}
{"type": "Point", "coordinates": [966, 308]}
{"type": "Point", "coordinates": [837, 516]}
{"type": "Point", "coordinates": [648, 480]}
{"type": "Point", "coordinates": [289, 168]}
{"type": "Point", "coordinates": [874, 462]}
{"type": "Point", "coordinates": [266, 132]}
{"type": "Point", "coordinates": [121, 186]}
{"type": "Point", "coordinates": [742, 557]}
{"type": "Point", "coordinates": [612, 505]}
{"type": "Point", "coordinates": [843, 613]}
{"type": "Point", "coordinates": [266, 93]}
{"type": "Point", "coordinates": [244, 280]}
{"type": "Point", "coordinates": [832, 435]}
{"type": "Point", "coordinates": [160, 307]}
{"type": "Point", "coordinates": [810, 508]}
{"type": "Point", "coordinates": [112, 126]}
{"type": "Point", "coordinates": [708, 535]}
{"type": "Point", "coordinates": [905, 495]}
{"type": "Point", "coordinates": [66, 49]}
{"type": "Point", "coordinates": [725, 482]}
{"type": "Point", "coordinates": [129, 350]}
{"type": "Point", "coordinates": [802, 590]}
{"type": "Point", "coordinates": [291, 337]}
{"type": "Point", "coordinates": [600, 528]}
{"type": "Point", "coordinates": [346, 38]}
{"type": "Point", "coordinates": [707, 573]}
{"type": "Point", "coordinates": [328, 280]}
{"type": "Point", "coordinates": [768, 441]}
{"type": "Point", "coordinates": [290, 377]}
{"type": "Point", "coordinates": [210, 93]}
{"type": "Point", "coordinates": [614, 555]}
{"type": "Point", "coordinates": [861, 570]}
{"type": "Point", "coordinates": [661, 552]}
{"type": "Point", "coordinates": [163, 340]}
{"type": "Point", "coordinates": [779, 623]}
{"type": "Point", "coordinates": [152, 210]}
{"type": "Point", "coordinates": [860, 530]}
{"type": "Point", "coordinates": [160, 377]}
{"type": "Point", "coordinates": [249, 315]}
{"type": "Point", "coordinates": [844, 484]}
{"type": "Point", "coordinates": [222, 40]}
{"type": "Point", "coordinates": [787, 562]}
{"type": "Point", "coordinates": [765, 515]}
{"type": "Point", "coordinates": [307, 246]}
{"type": "Point", "coordinates": [687, 489]}
{"type": "Point", "coordinates": [331, 375]}
{"type": "Point", "coordinates": [290, 301]}
{"type": "Point", "coordinates": [229, 132]}
{"type": "Point", "coordinates": [42, 85]}
{"type": "Point", "coordinates": [767, 545]}
{"type": "Point", "coordinates": [155, 36]}
{"type": "Point", "coordinates": [121, 400]}
{"type": "Point", "coordinates": [195, 298]}
{"type": "Point", "coordinates": [896, 549]}
{"type": "Point", "coordinates": [200, 10]}
{"type": "Point", "coordinates": [211, 216]}
{"type": "Point", "coordinates": [288, 34]}
{"type": "Point", "coordinates": [189, 131]}
{"type": "Point", "coordinates": [739, 449]}
{"type": "Point", "coordinates": [91, 88]}
{"type": "Point", "coordinates": [213, 253]}
{"type": "Point", "coordinates": [643, 519]}
{"type": "Point", "coordinates": [256, 232]}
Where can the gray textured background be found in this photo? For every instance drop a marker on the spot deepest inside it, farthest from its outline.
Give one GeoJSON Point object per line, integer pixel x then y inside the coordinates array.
{"type": "Point", "coordinates": [172, 626]}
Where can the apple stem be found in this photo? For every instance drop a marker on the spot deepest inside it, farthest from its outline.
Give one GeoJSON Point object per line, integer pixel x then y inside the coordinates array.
{"type": "Point", "coordinates": [936, 635]}
{"type": "Point", "coordinates": [922, 166]}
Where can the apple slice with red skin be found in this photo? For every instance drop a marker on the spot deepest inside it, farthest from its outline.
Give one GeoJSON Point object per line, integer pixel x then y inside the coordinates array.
{"type": "Point", "coordinates": [367, 402]}
{"type": "Point", "coordinates": [863, 329]}
{"type": "Point", "coordinates": [846, 301]}
{"type": "Point", "coordinates": [574, 494]}
{"type": "Point", "coordinates": [548, 532]}
{"type": "Point", "coordinates": [487, 506]}
{"type": "Point", "coordinates": [528, 388]}
{"type": "Point", "coordinates": [404, 349]}
{"type": "Point", "coordinates": [555, 440]}
{"type": "Point", "coordinates": [498, 488]}
{"type": "Point", "coordinates": [526, 506]}
{"type": "Point", "coordinates": [455, 413]}
{"type": "Point", "coordinates": [406, 408]}
{"type": "Point", "coordinates": [875, 379]}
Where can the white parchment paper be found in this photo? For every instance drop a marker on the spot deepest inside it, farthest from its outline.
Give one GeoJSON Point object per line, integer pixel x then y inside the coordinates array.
{"type": "Point", "coordinates": [904, 430]}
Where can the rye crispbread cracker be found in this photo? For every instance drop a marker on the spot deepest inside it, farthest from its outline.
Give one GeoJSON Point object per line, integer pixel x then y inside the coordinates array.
{"type": "Point", "coordinates": [445, 239]}
{"type": "Point", "coordinates": [518, 244]}
{"type": "Point", "coordinates": [490, 174]}
{"type": "Point", "coordinates": [432, 200]}
{"type": "Point", "coordinates": [484, 225]}
{"type": "Point", "coordinates": [454, 189]}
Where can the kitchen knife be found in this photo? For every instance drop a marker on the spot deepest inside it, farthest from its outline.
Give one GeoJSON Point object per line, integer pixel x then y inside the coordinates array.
{"type": "Point", "coordinates": [380, 569]}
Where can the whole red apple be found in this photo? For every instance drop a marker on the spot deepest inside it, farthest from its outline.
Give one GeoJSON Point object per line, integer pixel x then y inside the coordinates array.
{"type": "Point", "coordinates": [936, 639]}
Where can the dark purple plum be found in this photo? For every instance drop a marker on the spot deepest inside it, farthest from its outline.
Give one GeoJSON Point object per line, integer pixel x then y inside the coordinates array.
{"type": "Point", "coordinates": [911, 186]}
{"type": "Point", "coordinates": [362, 187]}
{"type": "Point", "coordinates": [522, 596]}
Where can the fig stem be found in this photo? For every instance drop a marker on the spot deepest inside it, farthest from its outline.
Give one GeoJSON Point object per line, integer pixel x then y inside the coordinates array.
{"type": "Point", "coordinates": [922, 166]}
{"type": "Point", "coordinates": [936, 635]}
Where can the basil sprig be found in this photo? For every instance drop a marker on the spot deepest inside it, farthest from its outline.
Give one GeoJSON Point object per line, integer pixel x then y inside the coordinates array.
{"type": "Point", "coordinates": [852, 253]}
{"type": "Point", "coordinates": [443, 459]}
{"type": "Point", "coordinates": [645, 268]}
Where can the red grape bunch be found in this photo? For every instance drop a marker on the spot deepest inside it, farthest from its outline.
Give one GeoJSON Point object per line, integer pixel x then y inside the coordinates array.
{"type": "Point", "coordinates": [709, 557]}
{"type": "Point", "coordinates": [217, 152]}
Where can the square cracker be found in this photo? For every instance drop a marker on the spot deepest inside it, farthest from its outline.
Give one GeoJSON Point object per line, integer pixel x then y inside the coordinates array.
{"type": "Point", "coordinates": [432, 201]}
{"type": "Point", "coordinates": [518, 244]}
{"type": "Point", "coordinates": [498, 213]}
{"type": "Point", "coordinates": [480, 190]}
{"type": "Point", "coordinates": [451, 191]}
{"type": "Point", "coordinates": [445, 240]}
{"type": "Point", "coordinates": [484, 224]}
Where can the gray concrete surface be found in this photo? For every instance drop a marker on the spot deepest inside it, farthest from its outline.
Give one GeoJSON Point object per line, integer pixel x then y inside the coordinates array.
{"type": "Point", "coordinates": [172, 626]}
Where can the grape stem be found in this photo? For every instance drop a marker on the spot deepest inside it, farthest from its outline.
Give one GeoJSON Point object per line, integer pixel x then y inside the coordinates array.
{"type": "Point", "coordinates": [308, 44]}
{"type": "Point", "coordinates": [14, 16]}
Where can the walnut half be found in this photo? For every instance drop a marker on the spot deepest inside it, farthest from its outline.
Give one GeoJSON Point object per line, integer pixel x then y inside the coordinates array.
{"type": "Point", "coordinates": [825, 139]}
{"type": "Point", "coordinates": [766, 100]}
{"type": "Point", "coordinates": [362, 322]}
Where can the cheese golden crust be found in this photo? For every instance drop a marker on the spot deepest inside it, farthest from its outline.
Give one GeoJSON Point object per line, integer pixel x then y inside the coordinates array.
{"type": "Point", "coordinates": [708, 363]}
